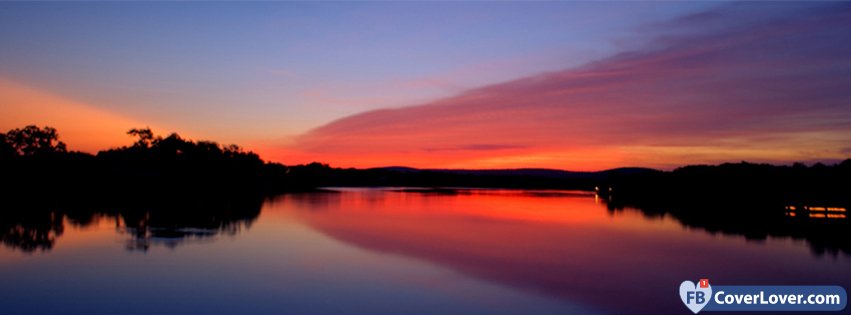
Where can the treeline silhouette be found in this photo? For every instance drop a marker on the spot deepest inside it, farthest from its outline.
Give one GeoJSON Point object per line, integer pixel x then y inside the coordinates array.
{"type": "Point", "coordinates": [744, 182]}
{"type": "Point", "coordinates": [159, 190]}
{"type": "Point", "coordinates": [40, 175]}
{"type": "Point", "coordinates": [35, 160]}
{"type": "Point", "coordinates": [36, 163]}
{"type": "Point", "coordinates": [756, 201]}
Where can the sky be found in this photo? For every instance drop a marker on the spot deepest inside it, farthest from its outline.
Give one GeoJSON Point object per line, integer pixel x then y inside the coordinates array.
{"type": "Point", "coordinates": [566, 85]}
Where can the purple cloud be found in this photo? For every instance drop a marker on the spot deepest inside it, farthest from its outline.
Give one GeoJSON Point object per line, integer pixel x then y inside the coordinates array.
{"type": "Point", "coordinates": [776, 87]}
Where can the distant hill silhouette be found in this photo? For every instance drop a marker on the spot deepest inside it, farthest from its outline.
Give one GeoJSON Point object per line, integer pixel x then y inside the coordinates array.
{"type": "Point", "coordinates": [492, 178]}
{"type": "Point", "coordinates": [535, 172]}
{"type": "Point", "coordinates": [746, 183]}
{"type": "Point", "coordinates": [36, 164]}
{"type": "Point", "coordinates": [189, 189]}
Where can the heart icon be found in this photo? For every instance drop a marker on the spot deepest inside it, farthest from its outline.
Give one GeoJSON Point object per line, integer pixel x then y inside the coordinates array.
{"type": "Point", "coordinates": [694, 297]}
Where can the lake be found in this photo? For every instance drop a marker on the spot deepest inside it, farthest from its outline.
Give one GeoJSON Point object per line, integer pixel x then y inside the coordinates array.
{"type": "Point", "coordinates": [385, 251]}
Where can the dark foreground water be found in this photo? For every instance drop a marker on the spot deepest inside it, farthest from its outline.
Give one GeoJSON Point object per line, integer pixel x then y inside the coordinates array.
{"type": "Point", "coordinates": [386, 252]}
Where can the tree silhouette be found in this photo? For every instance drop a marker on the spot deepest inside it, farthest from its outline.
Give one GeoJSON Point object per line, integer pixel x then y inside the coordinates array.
{"type": "Point", "coordinates": [146, 136]}
{"type": "Point", "coordinates": [32, 140]}
{"type": "Point", "coordinates": [6, 149]}
{"type": "Point", "coordinates": [31, 232]}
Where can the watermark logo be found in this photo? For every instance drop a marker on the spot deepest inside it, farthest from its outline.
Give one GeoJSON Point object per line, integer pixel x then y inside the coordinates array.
{"type": "Point", "coordinates": [701, 296]}
{"type": "Point", "coordinates": [695, 296]}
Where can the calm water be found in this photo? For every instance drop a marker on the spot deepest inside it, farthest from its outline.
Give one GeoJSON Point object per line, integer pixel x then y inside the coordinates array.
{"type": "Point", "coordinates": [386, 252]}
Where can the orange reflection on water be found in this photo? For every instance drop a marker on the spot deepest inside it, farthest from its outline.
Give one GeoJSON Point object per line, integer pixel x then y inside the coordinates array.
{"type": "Point", "coordinates": [561, 243]}
{"type": "Point", "coordinates": [559, 207]}
{"type": "Point", "coordinates": [817, 212]}
{"type": "Point", "coordinates": [100, 230]}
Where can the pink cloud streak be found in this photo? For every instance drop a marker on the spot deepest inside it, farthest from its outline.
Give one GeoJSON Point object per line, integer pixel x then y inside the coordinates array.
{"type": "Point", "coordinates": [777, 90]}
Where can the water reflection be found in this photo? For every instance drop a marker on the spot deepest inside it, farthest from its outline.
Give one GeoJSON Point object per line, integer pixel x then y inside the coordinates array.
{"type": "Point", "coordinates": [370, 251]}
{"type": "Point", "coordinates": [167, 222]}
{"type": "Point", "coordinates": [30, 231]}
{"type": "Point", "coordinates": [831, 213]}
{"type": "Point", "coordinates": [825, 228]}
{"type": "Point", "coordinates": [563, 245]}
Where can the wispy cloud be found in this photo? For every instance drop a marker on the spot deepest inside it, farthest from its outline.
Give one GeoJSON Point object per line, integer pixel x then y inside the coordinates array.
{"type": "Point", "coordinates": [477, 147]}
{"type": "Point", "coordinates": [776, 87]}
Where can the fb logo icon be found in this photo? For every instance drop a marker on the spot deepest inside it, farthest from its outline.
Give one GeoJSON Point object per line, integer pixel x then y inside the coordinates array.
{"type": "Point", "coordinates": [695, 297]}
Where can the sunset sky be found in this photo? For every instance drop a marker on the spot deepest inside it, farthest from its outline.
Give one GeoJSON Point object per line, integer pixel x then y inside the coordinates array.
{"type": "Point", "coordinates": [566, 85]}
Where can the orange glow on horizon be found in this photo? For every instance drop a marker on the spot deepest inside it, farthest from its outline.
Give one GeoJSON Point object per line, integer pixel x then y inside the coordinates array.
{"type": "Point", "coordinates": [83, 127]}
{"type": "Point", "coordinates": [575, 160]}
{"type": "Point", "coordinates": [508, 237]}
{"type": "Point", "coordinates": [486, 143]}
{"type": "Point", "coordinates": [410, 211]}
